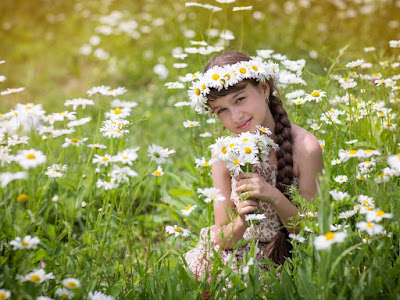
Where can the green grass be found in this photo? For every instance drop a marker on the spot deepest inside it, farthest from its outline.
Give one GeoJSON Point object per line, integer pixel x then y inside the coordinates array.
{"type": "Point", "coordinates": [116, 243]}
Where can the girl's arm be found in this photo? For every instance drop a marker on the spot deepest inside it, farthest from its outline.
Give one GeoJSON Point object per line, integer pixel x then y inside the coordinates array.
{"type": "Point", "coordinates": [230, 223]}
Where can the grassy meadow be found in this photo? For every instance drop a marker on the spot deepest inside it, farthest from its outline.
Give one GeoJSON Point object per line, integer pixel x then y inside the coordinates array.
{"type": "Point", "coordinates": [100, 151]}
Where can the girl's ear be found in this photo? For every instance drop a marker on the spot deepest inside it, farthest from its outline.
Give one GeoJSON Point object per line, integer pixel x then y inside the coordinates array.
{"type": "Point", "coordinates": [265, 88]}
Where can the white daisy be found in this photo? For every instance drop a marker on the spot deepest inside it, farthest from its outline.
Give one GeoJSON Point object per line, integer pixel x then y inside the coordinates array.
{"type": "Point", "coordinates": [254, 217]}
{"type": "Point", "coordinates": [71, 283]}
{"type": "Point", "coordinates": [377, 215]}
{"type": "Point", "coordinates": [102, 160]}
{"type": "Point", "coordinates": [297, 237]}
{"type": "Point", "coordinates": [211, 194]}
{"type": "Point", "coordinates": [27, 243]}
{"type": "Point", "coordinates": [158, 172]}
{"type": "Point", "coordinates": [5, 294]}
{"type": "Point", "coordinates": [7, 177]}
{"type": "Point", "coordinates": [74, 141]}
{"type": "Point", "coordinates": [177, 230]}
{"type": "Point", "coordinates": [64, 293]}
{"type": "Point", "coordinates": [159, 154]}
{"type": "Point", "coordinates": [341, 179]}
{"type": "Point", "coordinates": [370, 227]}
{"type": "Point", "coordinates": [338, 195]}
{"type": "Point", "coordinates": [30, 158]}
{"type": "Point", "coordinates": [188, 124]}
{"type": "Point", "coordinates": [325, 241]}
{"type": "Point", "coordinates": [347, 214]}
{"type": "Point", "coordinates": [188, 209]}
{"type": "Point", "coordinates": [37, 276]}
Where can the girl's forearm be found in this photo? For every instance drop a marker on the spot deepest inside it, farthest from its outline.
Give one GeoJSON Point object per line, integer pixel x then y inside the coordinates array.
{"type": "Point", "coordinates": [229, 235]}
{"type": "Point", "coordinates": [285, 210]}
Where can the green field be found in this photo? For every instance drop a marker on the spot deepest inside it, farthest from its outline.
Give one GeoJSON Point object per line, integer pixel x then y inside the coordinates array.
{"type": "Point", "coordinates": [99, 213]}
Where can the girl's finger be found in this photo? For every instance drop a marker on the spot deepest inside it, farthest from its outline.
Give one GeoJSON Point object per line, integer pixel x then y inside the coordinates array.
{"type": "Point", "coordinates": [245, 175]}
{"type": "Point", "coordinates": [248, 202]}
{"type": "Point", "coordinates": [247, 209]}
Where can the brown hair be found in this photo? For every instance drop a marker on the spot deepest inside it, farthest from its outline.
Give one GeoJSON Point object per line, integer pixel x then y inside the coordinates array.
{"type": "Point", "coordinates": [279, 247]}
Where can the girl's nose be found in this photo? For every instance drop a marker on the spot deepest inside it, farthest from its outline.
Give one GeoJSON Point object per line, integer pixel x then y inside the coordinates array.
{"type": "Point", "coordinates": [237, 114]}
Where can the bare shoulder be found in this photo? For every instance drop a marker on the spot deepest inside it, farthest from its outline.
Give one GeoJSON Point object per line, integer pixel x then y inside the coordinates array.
{"type": "Point", "coordinates": [307, 159]}
{"type": "Point", "coordinates": [307, 153]}
{"type": "Point", "coordinates": [304, 142]}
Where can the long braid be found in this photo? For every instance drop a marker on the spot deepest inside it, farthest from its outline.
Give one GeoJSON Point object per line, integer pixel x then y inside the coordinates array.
{"type": "Point", "coordinates": [279, 248]}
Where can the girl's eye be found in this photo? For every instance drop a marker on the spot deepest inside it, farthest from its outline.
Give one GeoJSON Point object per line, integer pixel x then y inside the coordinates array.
{"type": "Point", "coordinates": [220, 111]}
{"type": "Point", "coordinates": [240, 99]}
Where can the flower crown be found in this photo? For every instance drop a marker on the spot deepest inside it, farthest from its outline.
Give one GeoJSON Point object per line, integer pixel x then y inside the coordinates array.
{"type": "Point", "coordinates": [223, 77]}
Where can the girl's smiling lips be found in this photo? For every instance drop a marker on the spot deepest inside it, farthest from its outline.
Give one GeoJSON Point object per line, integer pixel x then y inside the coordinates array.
{"type": "Point", "coordinates": [245, 124]}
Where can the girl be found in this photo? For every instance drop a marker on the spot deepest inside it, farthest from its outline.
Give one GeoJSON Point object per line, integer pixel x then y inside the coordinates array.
{"type": "Point", "coordinates": [241, 93]}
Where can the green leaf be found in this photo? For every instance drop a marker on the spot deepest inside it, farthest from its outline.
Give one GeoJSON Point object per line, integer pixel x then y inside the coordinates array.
{"type": "Point", "coordinates": [305, 284]}
{"type": "Point", "coordinates": [180, 192]}
{"type": "Point", "coordinates": [39, 255]}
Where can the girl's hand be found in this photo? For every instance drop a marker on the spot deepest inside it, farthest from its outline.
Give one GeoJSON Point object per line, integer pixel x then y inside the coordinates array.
{"type": "Point", "coordinates": [246, 206]}
{"type": "Point", "coordinates": [252, 186]}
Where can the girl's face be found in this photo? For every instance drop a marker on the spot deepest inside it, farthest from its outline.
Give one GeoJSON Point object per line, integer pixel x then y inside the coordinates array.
{"type": "Point", "coordinates": [242, 110]}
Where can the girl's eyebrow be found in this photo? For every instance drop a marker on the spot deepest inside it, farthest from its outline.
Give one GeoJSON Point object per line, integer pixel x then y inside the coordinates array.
{"type": "Point", "coordinates": [233, 96]}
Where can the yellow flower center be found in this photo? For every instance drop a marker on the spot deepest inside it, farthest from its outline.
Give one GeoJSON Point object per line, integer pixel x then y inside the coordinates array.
{"type": "Point", "coordinates": [22, 198]}
{"type": "Point", "coordinates": [223, 150]}
{"type": "Point", "coordinates": [227, 76]}
{"type": "Point", "coordinates": [177, 229]}
{"type": "Point", "coordinates": [36, 278]}
{"type": "Point", "coordinates": [62, 112]}
{"type": "Point", "coordinates": [245, 140]}
{"type": "Point", "coordinates": [117, 111]}
{"type": "Point", "coordinates": [74, 140]}
{"type": "Point", "coordinates": [242, 70]}
{"type": "Point", "coordinates": [110, 91]}
{"type": "Point", "coordinates": [28, 107]}
{"type": "Point", "coordinates": [30, 156]}
{"type": "Point", "coordinates": [389, 124]}
{"type": "Point", "coordinates": [236, 162]}
{"type": "Point", "coordinates": [380, 213]}
{"type": "Point", "coordinates": [157, 173]}
{"type": "Point", "coordinates": [203, 86]}
{"type": "Point", "coordinates": [376, 75]}
{"type": "Point", "coordinates": [370, 225]}
{"type": "Point", "coordinates": [255, 68]}
{"type": "Point", "coordinates": [330, 235]}
{"type": "Point", "coordinates": [64, 295]}
{"type": "Point", "coordinates": [25, 244]}
{"type": "Point", "coordinates": [105, 159]}
{"type": "Point", "coordinates": [117, 131]}
{"type": "Point", "coordinates": [188, 207]}
{"type": "Point", "coordinates": [315, 94]}
{"type": "Point", "coordinates": [3, 295]}
{"type": "Point", "coordinates": [215, 77]}
{"type": "Point", "coordinates": [352, 152]}
{"type": "Point", "coordinates": [197, 92]}
{"type": "Point", "coordinates": [191, 124]}
{"type": "Point", "coordinates": [247, 150]}
{"type": "Point", "coordinates": [231, 145]}
{"type": "Point", "coordinates": [206, 164]}
{"type": "Point", "coordinates": [125, 157]}
{"type": "Point", "coordinates": [71, 284]}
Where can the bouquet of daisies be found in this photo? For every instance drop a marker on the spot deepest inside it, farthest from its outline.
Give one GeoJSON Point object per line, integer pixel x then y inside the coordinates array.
{"type": "Point", "coordinates": [242, 152]}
